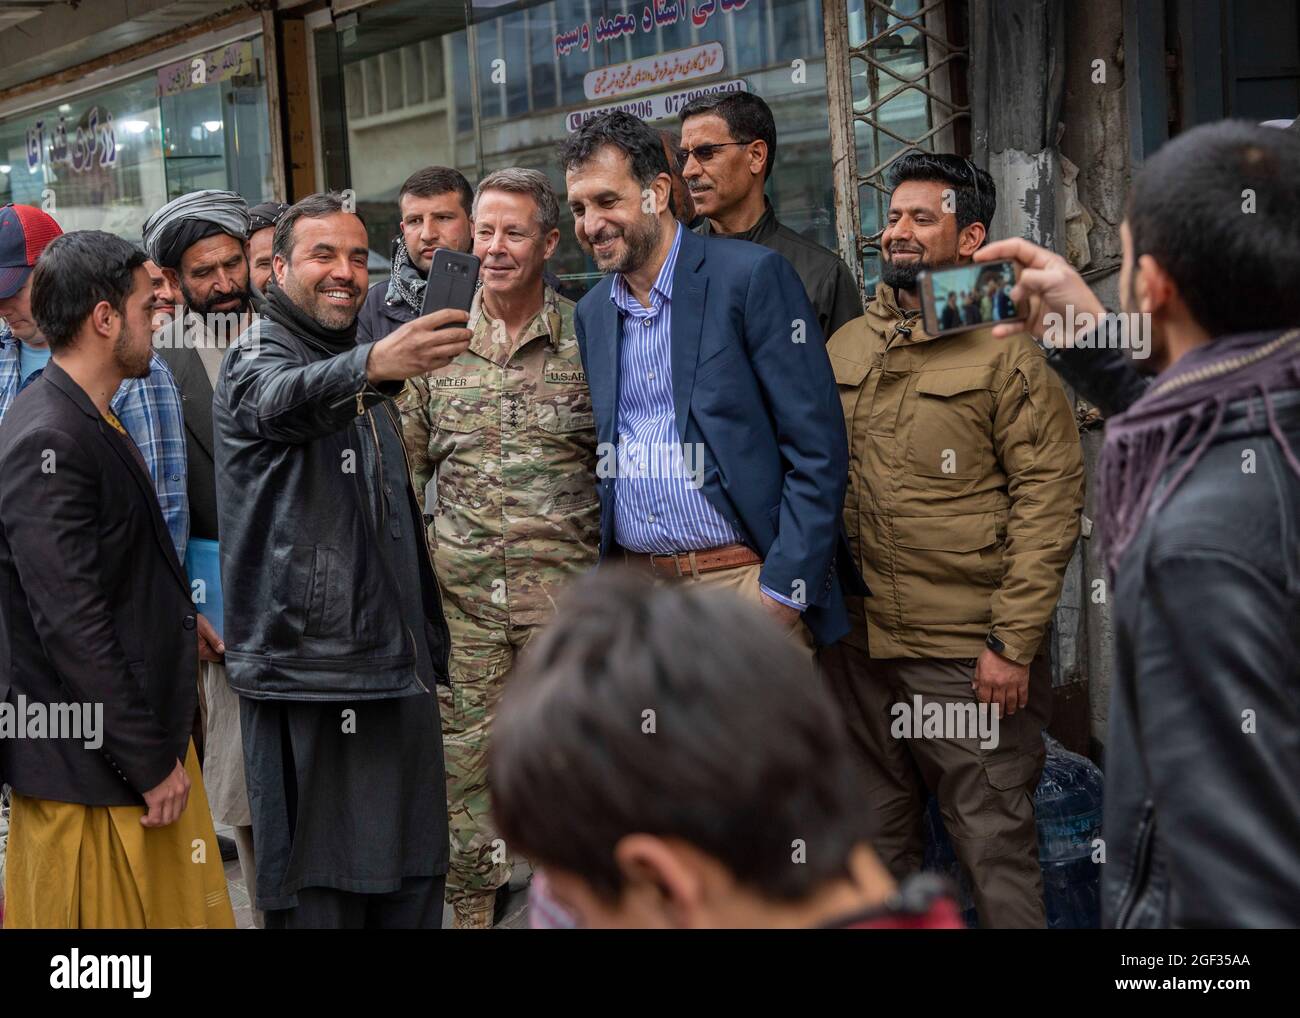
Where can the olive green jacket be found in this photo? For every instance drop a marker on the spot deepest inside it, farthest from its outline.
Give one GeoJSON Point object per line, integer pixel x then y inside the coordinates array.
{"type": "Point", "coordinates": [965, 484]}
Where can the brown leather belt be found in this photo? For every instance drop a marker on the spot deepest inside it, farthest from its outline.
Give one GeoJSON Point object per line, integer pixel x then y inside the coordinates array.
{"type": "Point", "coordinates": [692, 563]}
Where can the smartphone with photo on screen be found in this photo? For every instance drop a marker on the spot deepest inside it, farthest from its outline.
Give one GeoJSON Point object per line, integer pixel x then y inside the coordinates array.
{"type": "Point", "coordinates": [964, 297]}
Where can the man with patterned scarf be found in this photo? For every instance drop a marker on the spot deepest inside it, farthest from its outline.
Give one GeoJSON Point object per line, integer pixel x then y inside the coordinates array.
{"type": "Point", "coordinates": [1200, 483]}
{"type": "Point", "coordinates": [434, 204]}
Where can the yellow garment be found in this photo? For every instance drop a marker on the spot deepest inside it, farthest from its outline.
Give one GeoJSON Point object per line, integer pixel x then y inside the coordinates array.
{"type": "Point", "coordinates": [72, 866]}
{"type": "Point", "coordinates": [117, 425]}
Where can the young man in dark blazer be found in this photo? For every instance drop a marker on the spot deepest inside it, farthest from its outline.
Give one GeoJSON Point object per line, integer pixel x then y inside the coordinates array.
{"type": "Point", "coordinates": [722, 443]}
{"type": "Point", "coordinates": [109, 824]}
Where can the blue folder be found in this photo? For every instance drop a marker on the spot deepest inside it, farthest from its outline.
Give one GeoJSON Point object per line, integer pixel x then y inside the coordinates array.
{"type": "Point", "coordinates": [202, 562]}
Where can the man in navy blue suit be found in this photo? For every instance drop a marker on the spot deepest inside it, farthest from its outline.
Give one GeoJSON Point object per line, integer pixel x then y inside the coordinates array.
{"type": "Point", "coordinates": [722, 449]}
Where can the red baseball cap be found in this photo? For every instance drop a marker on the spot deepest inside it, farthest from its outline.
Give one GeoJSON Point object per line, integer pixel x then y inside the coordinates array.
{"type": "Point", "coordinates": [25, 231]}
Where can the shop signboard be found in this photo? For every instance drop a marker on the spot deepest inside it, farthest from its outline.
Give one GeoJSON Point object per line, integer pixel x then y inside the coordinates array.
{"type": "Point", "coordinates": [208, 68]}
{"type": "Point", "coordinates": [656, 14]}
{"type": "Point", "coordinates": [647, 73]}
{"type": "Point", "coordinates": [91, 143]}
{"type": "Point", "coordinates": [655, 107]}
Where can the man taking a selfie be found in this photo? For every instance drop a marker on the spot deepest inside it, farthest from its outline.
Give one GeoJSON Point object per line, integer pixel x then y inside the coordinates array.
{"type": "Point", "coordinates": [338, 636]}
{"type": "Point", "coordinates": [1199, 481]}
{"type": "Point", "coordinates": [964, 493]}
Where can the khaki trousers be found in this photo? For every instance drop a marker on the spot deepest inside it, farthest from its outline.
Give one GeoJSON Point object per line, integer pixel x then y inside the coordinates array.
{"type": "Point", "coordinates": [742, 581]}
{"type": "Point", "coordinates": [986, 794]}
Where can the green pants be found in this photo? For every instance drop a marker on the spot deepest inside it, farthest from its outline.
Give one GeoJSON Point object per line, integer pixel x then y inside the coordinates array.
{"type": "Point", "coordinates": [985, 793]}
{"type": "Point", "coordinates": [482, 655]}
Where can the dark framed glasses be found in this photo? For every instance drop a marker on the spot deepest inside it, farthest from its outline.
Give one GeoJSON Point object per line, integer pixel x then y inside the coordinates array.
{"type": "Point", "coordinates": [703, 153]}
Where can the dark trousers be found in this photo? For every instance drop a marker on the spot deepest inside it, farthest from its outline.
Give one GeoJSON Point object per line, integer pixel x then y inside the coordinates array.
{"type": "Point", "coordinates": [416, 905]}
{"type": "Point", "coordinates": [986, 794]}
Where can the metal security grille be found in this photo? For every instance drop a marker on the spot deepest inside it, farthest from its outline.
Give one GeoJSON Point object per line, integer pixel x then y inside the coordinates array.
{"type": "Point", "coordinates": [896, 82]}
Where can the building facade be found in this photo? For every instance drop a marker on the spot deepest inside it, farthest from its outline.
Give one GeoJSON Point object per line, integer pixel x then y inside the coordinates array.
{"type": "Point", "coordinates": [104, 148]}
{"type": "Point", "coordinates": [108, 110]}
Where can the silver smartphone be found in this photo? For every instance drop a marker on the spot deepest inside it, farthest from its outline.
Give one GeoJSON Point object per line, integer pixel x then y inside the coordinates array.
{"type": "Point", "coordinates": [968, 296]}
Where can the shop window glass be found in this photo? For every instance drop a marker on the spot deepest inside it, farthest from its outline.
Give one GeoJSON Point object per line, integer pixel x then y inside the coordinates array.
{"type": "Point", "coordinates": [521, 119]}
{"type": "Point", "coordinates": [435, 86]}
{"type": "Point", "coordinates": [400, 50]}
{"type": "Point", "coordinates": [107, 159]}
{"type": "Point", "coordinates": [413, 74]}
{"type": "Point", "coordinates": [217, 135]}
{"type": "Point", "coordinates": [541, 56]}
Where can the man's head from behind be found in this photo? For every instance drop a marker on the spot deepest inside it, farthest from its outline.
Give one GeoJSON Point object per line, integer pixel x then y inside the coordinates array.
{"type": "Point", "coordinates": [732, 140]}
{"type": "Point", "coordinates": [619, 189]}
{"type": "Point", "coordinates": [516, 228]}
{"type": "Point", "coordinates": [435, 208]}
{"type": "Point", "coordinates": [25, 232]}
{"type": "Point", "coordinates": [1211, 235]}
{"type": "Point", "coordinates": [940, 208]}
{"type": "Point", "coordinates": [94, 300]}
{"type": "Point", "coordinates": [319, 259]}
{"type": "Point", "coordinates": [670, 759]}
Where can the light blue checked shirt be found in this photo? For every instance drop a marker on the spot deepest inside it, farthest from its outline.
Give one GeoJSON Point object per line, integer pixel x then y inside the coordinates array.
{"type": "Point", "coordinates": [10, 373]}
{"type": "Point", "coordinates": [658, 507]}
{"type": "Point", "coordinates": [150, 410]}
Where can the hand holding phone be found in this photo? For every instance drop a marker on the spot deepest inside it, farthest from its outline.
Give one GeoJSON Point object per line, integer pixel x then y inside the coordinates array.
{"type": "Point", "coordinates": [425, 344]}
{"type": "Point", "coordinates": [453, 278]}
{"type": "Point", "coordinates": [435, 339]}
{"type": "Point", "coordinates": [1045, 284]}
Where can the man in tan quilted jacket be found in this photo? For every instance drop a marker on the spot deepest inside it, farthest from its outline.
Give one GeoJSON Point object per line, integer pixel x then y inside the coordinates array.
{"type": "Point", "coordinates": [965, 489]}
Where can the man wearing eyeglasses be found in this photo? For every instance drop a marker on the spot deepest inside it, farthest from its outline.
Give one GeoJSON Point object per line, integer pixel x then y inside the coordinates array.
{"type": "Point", "coordinates": [727, 153]}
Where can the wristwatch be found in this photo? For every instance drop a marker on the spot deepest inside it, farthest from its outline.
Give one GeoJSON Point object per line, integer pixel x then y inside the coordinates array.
{"type": "Point", "coordinates": [994, 644]}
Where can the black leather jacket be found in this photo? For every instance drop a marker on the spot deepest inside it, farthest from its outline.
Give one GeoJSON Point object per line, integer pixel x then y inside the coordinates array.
{"type": "Point", "coordinates": [378, 318]}
{"type": "Point", "coordinates": [328, 585]}
{"type": "Point", "coordinates": [1202, 812]}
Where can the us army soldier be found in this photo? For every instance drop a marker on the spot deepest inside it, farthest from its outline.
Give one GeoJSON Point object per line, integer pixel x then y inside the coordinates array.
{"type": "Point", "coordinates": [503, 456]}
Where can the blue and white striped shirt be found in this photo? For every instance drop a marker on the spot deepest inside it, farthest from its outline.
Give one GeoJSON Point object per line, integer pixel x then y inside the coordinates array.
{"type": "Point", "coordinates": [659, 507]}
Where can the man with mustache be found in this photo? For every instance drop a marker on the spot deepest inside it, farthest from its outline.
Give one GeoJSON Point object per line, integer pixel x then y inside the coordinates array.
{"type": "Point", "coordinates": [337, 636]}
{"type": "Point", "coordinates": [503, 440]}
{"type": "Point", "coordinates": [198, 240]}
{"type": "Point", "coordinates": [434, 206]}
{"type": "Point", "coordinates": [965, 489]}
{"type": "Point", "coordinates": [261, 232]}
{"type": "Point", "coordinates": [720, 435]}
{"type": "Point", "coordinates": [728, 151]}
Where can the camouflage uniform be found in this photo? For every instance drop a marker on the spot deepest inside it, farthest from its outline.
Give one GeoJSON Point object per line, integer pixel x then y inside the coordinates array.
{"type": "Point", "coordinates": [503, 455]}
